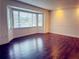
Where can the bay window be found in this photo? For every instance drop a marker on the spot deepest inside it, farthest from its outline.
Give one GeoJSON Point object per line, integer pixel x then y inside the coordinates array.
{"type": "Point", "coordinates": [22, 19]}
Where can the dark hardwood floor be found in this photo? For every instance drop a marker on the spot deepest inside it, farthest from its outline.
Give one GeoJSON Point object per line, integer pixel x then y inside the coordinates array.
{"type": "Point", "coordinates": [41, 46]}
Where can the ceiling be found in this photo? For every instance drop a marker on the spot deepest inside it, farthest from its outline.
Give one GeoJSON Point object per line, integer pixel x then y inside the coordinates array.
{"type": "Point", "coordinates": [52, 4]}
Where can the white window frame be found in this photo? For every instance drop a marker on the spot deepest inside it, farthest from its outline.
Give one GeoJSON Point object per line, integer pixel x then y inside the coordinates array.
{"type": "Point", "coordinates": [27, 12]}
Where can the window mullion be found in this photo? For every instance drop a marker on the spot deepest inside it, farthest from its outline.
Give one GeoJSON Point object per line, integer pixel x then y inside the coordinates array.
{"type": "Point", "coordinates": [19, 19]}
{"type": "Point", "coordinates": [12, 20]}
{"type": "Point", "coordinates": [32, 20]}
{"type": "Point", "coordinates": [37, 20]}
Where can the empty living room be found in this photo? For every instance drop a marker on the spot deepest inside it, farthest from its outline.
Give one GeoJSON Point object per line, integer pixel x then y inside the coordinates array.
{"type": "Point", "coordinates": [39, 29]}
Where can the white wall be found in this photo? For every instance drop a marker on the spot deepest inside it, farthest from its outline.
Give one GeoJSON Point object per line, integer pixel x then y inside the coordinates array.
{"type": "Point", "coordinates": [24, 31]}
{"type": "Point", "coordinates": [47, 18]}
{"type": "Point", "coordinates": [7, 34]}
{"type": "Point", "coordinates": [65, 22]}
{"type": "Point", "coordinates": [3, 23]}
{"type": "Point", "coordinates": [0, 21]}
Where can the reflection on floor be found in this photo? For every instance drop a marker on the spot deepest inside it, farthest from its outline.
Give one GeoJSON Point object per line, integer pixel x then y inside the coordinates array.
{"type": "Point", "coordinates": [41, 46]}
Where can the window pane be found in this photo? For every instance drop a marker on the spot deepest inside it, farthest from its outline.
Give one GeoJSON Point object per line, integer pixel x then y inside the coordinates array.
{"type": "Point", "coordinates": [40, 20]}
{"type": "Point", "coordinates": [9, 18]}
{"type": "Point", "coordinates": [25, 19]}
{"type": "Point", "coordinates": [30, 19]}
{"type": "Point", "coordinates": [15, 17]}
{"type": "Point", "coordinates": [34, 19]}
